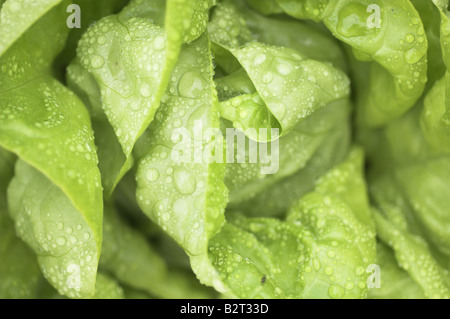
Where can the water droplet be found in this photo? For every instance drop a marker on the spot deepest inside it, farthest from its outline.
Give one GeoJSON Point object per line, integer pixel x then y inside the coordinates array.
{"type": "Point", "coordinates": [349, 285]}
{"type": "Point", "coordinates": [97, 61]}
{"type": "Point", "coordinates": [243, 114]}
{"type": "Point", "coordinates": [284, 68]}
{"type": "Point", "coordinates": [177, 123]}
{"type": "Point", "coordinates": [184, 180]}
{"type": "Point", "coordinates": [15, 6]}
{"type": "Point", "coordinates": [328, 270]}
{"type": "Point", "coordinates": [101, 40]}
{"type": "Point", "coordinates": [191, 84]}
{"type": "Point", "coordinates": [312, 78]}
{"type": "Point", "coordinates": [159, 43]}
{"type": "Point", "coordinates": [267, 77]}
{"type": "Point", "coordinates": [145, 90]}
{"type": "Point", "coordinates": [165, 217]}
{"type": "Point", "coordinates": [353, 20]}
{"type": "Point", "coordinates": [259, 59]}
{"type": "Point", "coordinates": [413, 56]}
{"type": "Point", "coordinates": [152, 175]}
{"type": "Point", "coordinates": [409, 38]}
{"type": "Point", "coordinates": [279, 110]}
{"type": "Point", "coordinates": [336, 291]}
{"type": "Point", "coordinates": [61, 241]}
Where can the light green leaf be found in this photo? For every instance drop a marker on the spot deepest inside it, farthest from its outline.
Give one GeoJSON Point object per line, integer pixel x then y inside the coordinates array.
{"type": "Point", "coordinates": [106, 287]}
{"type": "Point", "coordinates": [113, 164]}
{"type": "Point", "coordinates": [17, 16]}
{"type": "Point", "coordinates": [128, 255]}
{"type": "Point", "coordinates": [46, 126]}
{"type": "Point", "coordinates": [395, 283]}
{"type": "Point", "coordinates": [66, 245]}
{"type": "Point", "coordinates": [305, 9]}
{"type": "Point", "coordinates": [304, 37]}
{"type": "Point", "coordinates": [321, 250]}
{"type": "Point", "coordinates": [414, 256]}
{"type": "Point", "coordinates": [130, 57]}
{"type": "Point", "coordinates": [274, 200]}
{"type": "Point", "coordinates": [186, 196]}
{"type": "Point", "coordinates": [289, 86]}
{"type": "Point", "coordinates": [396, 48]}
{"type": "Point", "coordinates": [247, 180]}
{"type": "Point", "coordinates": [266, 7]}
{"type": "Point", "coordinates": [445, 43]}
{"type": "Point", "coordinates": [436, 132]}
{"type": "Point", "coordinates": [430, 17]}
{"type": "Point", "coordinates": [19, 270]}
{"type": "Point", "coordinates": [416, 171]}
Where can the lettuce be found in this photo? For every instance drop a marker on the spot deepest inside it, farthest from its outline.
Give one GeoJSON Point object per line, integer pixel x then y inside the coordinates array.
{"type": "Point", "coordinates": [181, 149]}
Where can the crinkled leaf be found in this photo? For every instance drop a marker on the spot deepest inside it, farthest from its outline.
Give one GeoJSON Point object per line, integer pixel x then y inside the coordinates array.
{"type": "Point", "coordinates": [321, 250]}
{"type": "Point", "coordinates": [436, 132]}
{"type": "Point", "coordinates": [289, 85]}
{"type": "Point", "coordinates": [186, 197]}
{"type": "Point", "coordinates": [395, 283]}
{"type": "Point", "coordinates": [113, 164]}
{"type": "Point", "coordinates": [38, 115]}
{"type": "Point", "coordinates": [396, 48]}
{"type": "Point", "coordinates": [284, 31]}
{"type": "Point", "coordinates": [274, 200]}
{"type": "Point", "coordinates": [416, 171]}
{"type": "Point", "coordinates": [130, 56]}
{"type": "Point", "coordinates": [246, 180]}
{"type": "Point", "coordinates": [430, 17]}
{"type": "Point", "coordinates": [414, 256]}
{"type": "Point", "coordinates": [66, 245]}
{"type": "Point", "coordinates": [17, 16]}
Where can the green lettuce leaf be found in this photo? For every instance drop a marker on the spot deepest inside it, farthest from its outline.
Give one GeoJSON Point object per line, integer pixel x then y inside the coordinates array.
{"type": "Point", "coordinates": [17, 16]}
{"type": "Point", "coordinates": [265, 6]}
{"type": "Point", "coordinates": [65, 243]}
{"type": "Point", "coordinates": [38, 115]}
{"type": "Point", "coordinates": [415, 172]}
{"type": "Point", "coordinates": [445, 43]}
{"type": "Point", "coordinates": [106, 287]}
{"type": "Point", "coordinates": [395, 283]}
{"type": "Point", "coordinates": [414, 256]}
{"type": "Point", "coordinates": [396, 50]}
{"type": "Point", "coordinates": [252, 185]}
{"type": "Point", "coordinates": [320, 250]}
{"type": "Point", "coordinates": [179, 185]}
{"type": "Point", "coordinates": [288, 86]}
{"type": "Point", "coordinates": [19, 270]}
{"type": "Point", "coordinates": [128, 255]}
{"type": "Point", "coordinates": [130, 57]}
{"type": "Point", "coordinates": [431, 20]}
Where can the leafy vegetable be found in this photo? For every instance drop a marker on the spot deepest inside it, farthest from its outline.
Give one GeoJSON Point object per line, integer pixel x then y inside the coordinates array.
{"type": "Point", "coordinates": [181, 149]}
{"type": "Point", "coordinates": [397, 48]}
{"type": "Point", "coordinates": [320, 250]}
{"type": "Point", "coordinates": [17, 16]}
